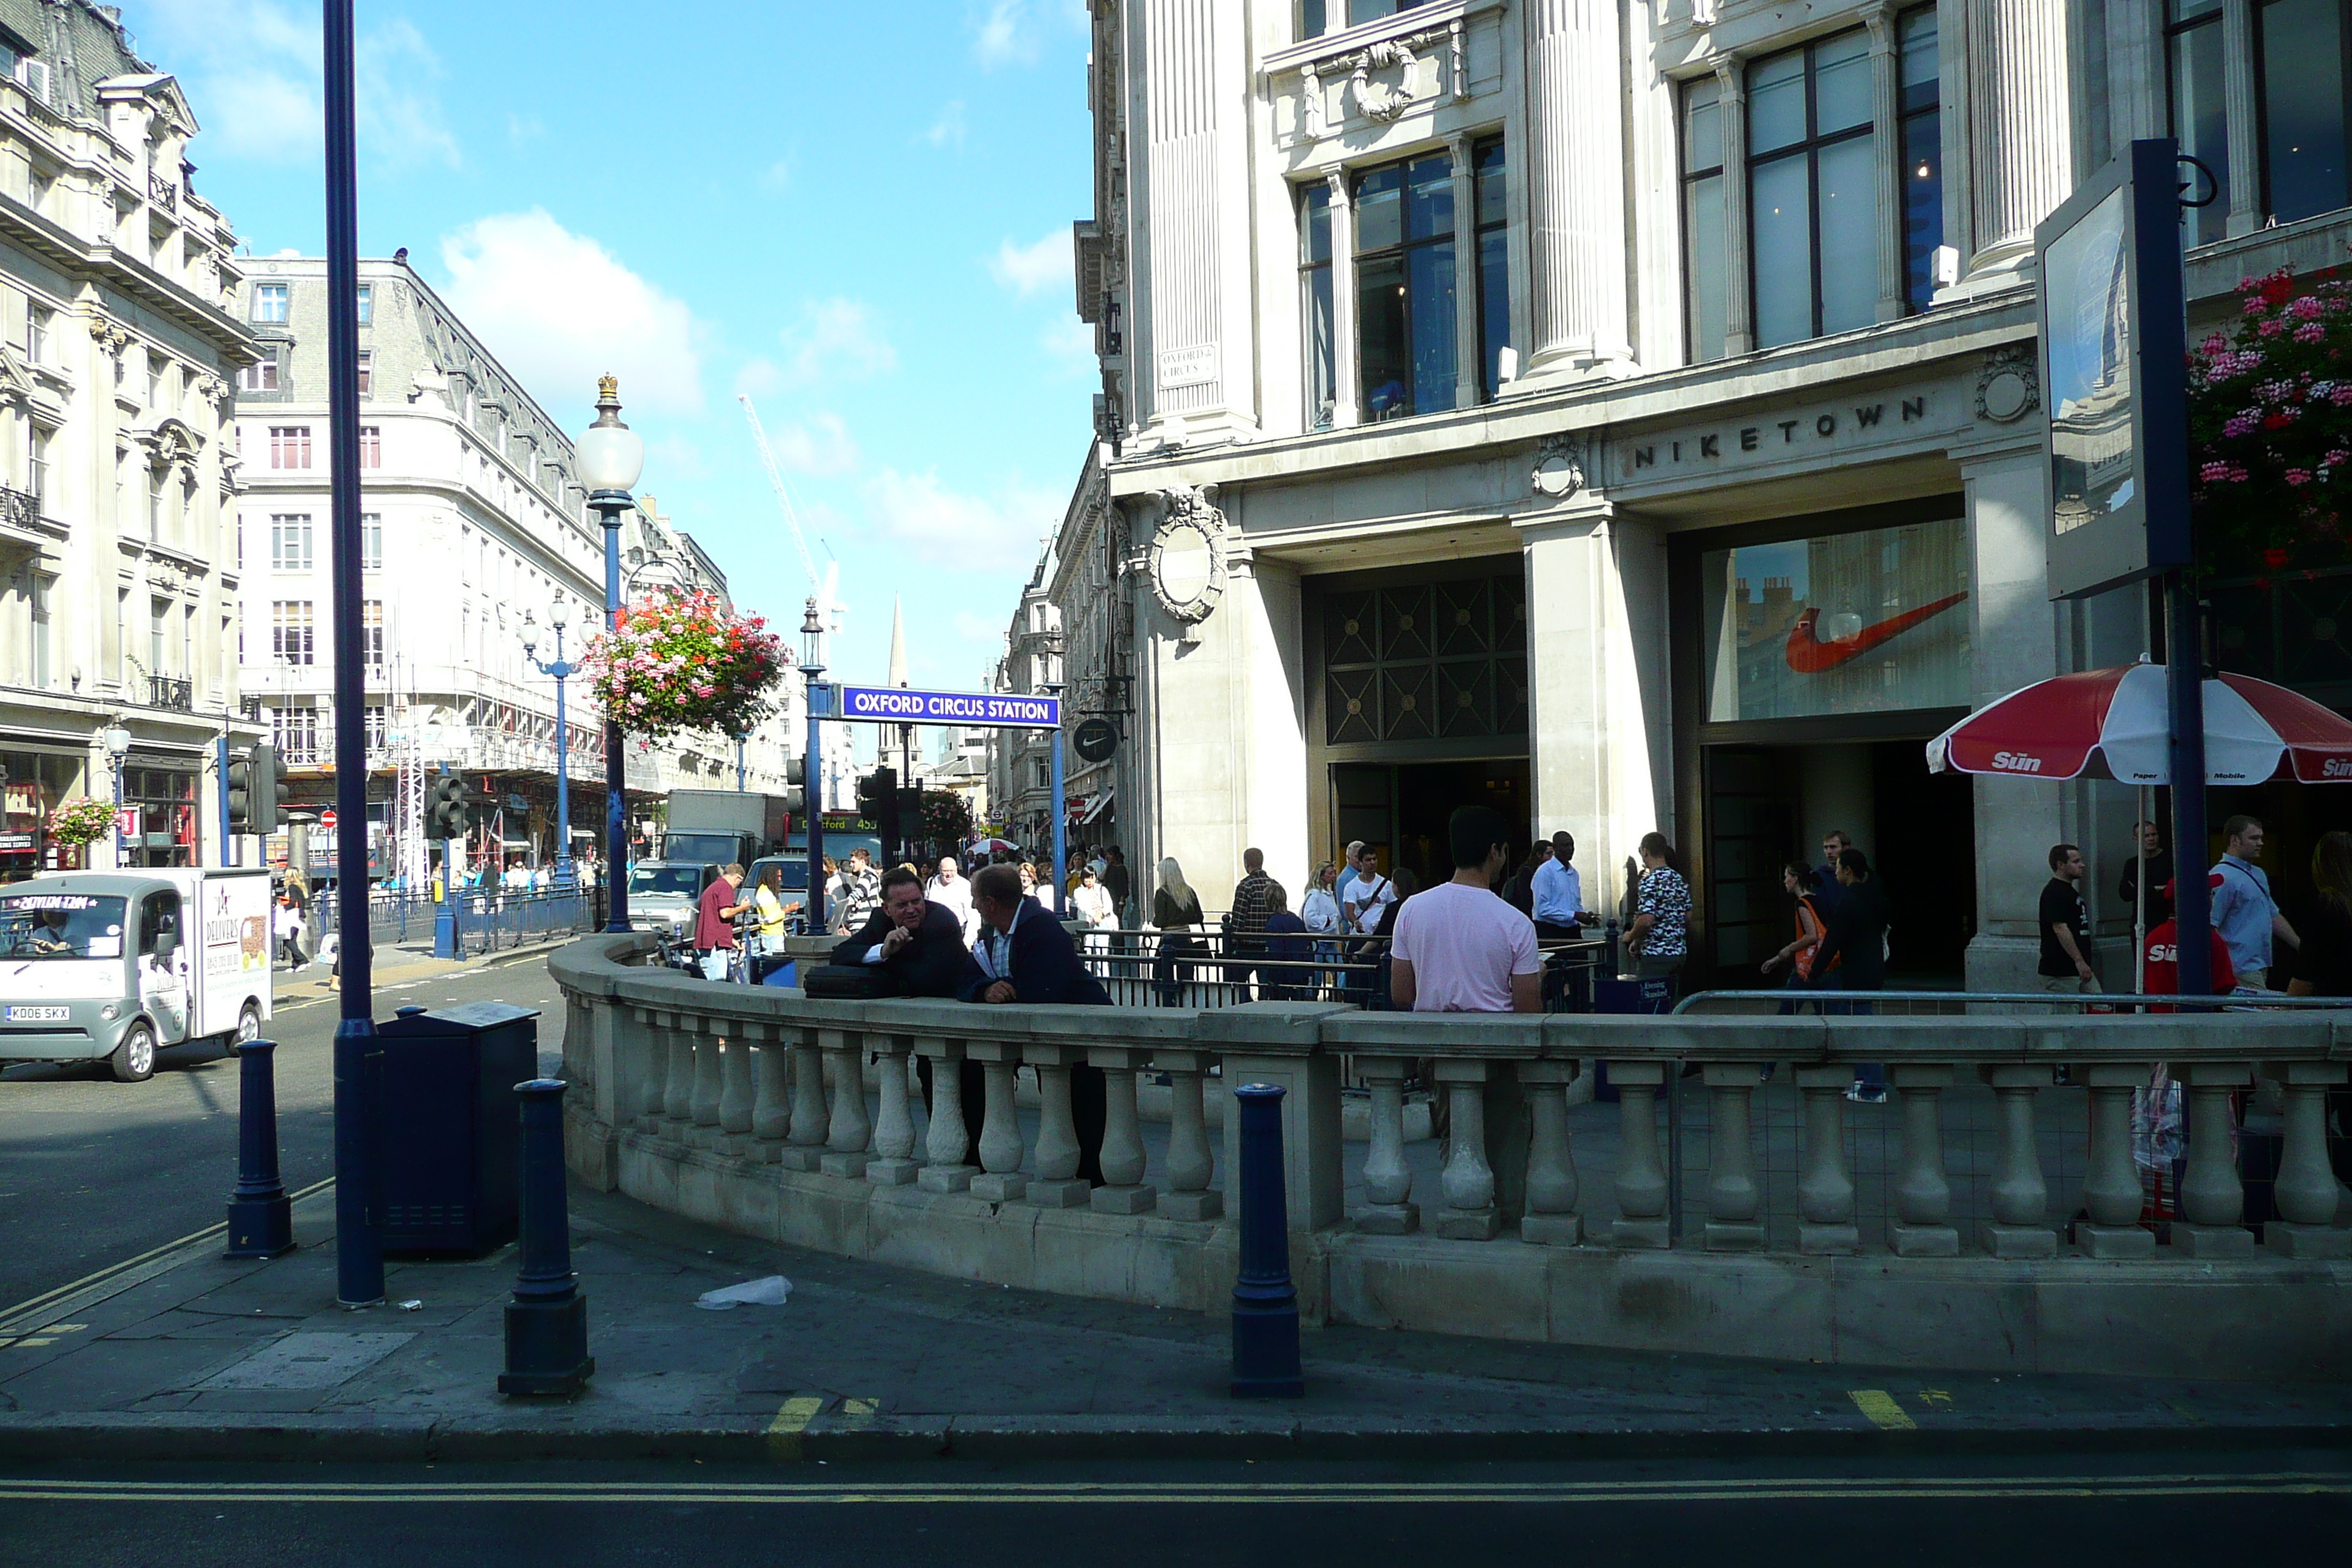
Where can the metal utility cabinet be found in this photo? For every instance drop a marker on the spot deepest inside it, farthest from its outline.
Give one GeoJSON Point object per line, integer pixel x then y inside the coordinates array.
{"type": "Point", "coordinates": [450, 1125]}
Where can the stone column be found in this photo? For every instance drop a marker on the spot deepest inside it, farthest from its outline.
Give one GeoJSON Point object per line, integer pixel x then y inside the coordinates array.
{"type": "Point", "coordinates": [1885, 91]}
{"type": "Point", "coordinates": [2306, 1191]}
{"type": "Point", "coordinates": [848, 1128]}
{"type": "Point", "coordinates": [2245, 120]}
{"type": "Point", "coordinates": [771, 1096]}
{"type": "Point", "coordinates": [2111, 1190]}
{"type": "Point", "coordinates": [1123, 1190]}
{"type": "Point", "coordinates": [1738, 302]}
{"type": "Point", "coordinates": [1640, 1172]}
{"type": "Point", "coordinates": [2021, 1198]}
{"type": "Point", "coordinates": [1057, 1185]}
{"type": "Point", "coordinates": [1468, 1182]}
{"type": "Point", "coordinates": [1188, 1168]}
{"type": "Point", "coordinates": [1388, 1180]}
{"type": "Point", "coordinates": [1466, 274]}
{"type": "Point", "coordinates": [735, 1094]}
{"type": "Point", "coordinates": [1000, 1148]}
{"type": "Point", "coordinates": [1346, 368]}
{"type": "Point", "coordinates": [1575, 163]}
{"type": "Point", "coordinates": [893, 1164]}
{"type": "Point", "coordinates": [1825, 1192]}
{"type": "Point", "coordinates": [653, 1096]}
{"type": "Point", "coordinates": [2019, 162]}
{"type": "Point", "coordinates": [1733, 1198]}
{"type": "Point", "coordinates": [1551, 1219]}
{"type": "Point", "coordinates": [1923, 1197]}
{"type": "Point", "coordinates": [2212, 1199]}
{"type": "Point", "coordinates": [677, 1091]}
{"type": "Point", "coordinates": [806, 1151]}
{"type": "Point", "coordinates": [945, 1171]}
{"type": "Point", "coordinates": [705, 1130]}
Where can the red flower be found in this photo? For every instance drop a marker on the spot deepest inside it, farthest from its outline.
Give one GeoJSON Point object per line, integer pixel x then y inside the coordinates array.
{"type": "Point", "coordinates": [2275, 558]}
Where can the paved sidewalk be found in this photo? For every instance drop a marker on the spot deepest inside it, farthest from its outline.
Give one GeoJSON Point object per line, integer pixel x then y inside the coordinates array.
{"type": "Point", "coordinates": [185, 1355]}
{"type": "Point", "coordinates": [398, 963]}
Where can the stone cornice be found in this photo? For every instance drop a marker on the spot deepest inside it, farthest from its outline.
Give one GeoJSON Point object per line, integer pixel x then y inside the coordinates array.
{"type": "Point", "coordinates": [106, 265]}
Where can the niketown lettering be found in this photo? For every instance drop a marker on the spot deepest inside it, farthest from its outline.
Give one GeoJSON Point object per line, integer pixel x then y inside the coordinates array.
{"type": "Point", "coordinates": [1810, 654]}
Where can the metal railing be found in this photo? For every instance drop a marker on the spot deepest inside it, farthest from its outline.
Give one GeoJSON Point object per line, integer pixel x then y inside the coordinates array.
{"type": "Point", "coordinates": [19, 508]}
{"type": "Point", "coordinates": [170, 692]}
{"type": "Point", "coordinates": [1198, 969]}
{"type": "Point", "coordinates": [488, 918]}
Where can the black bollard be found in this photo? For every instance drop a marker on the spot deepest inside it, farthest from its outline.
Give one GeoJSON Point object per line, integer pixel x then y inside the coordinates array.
{"type": "Point", "coordinates": [1266, 1303]}
{"type": "Point", "coordinates": [260, 1214]}
{"type": "Point", "coordinates": [547, 1321]}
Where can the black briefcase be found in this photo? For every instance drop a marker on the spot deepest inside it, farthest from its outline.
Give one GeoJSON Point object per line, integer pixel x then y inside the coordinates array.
{"type": "Point", "coordinates": [842, 982]}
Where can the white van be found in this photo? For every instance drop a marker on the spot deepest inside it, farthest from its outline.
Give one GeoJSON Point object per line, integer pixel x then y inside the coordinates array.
{"type": "Point", "coordinates": [120, 963]}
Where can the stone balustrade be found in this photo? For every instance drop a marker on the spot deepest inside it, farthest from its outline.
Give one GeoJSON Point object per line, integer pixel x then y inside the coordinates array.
{"type": "Point", "coordinates": [1731, 1203]}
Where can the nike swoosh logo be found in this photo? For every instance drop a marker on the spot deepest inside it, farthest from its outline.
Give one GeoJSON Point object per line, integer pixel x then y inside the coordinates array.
{"type": "Point", "coordinates": [1810, 656]}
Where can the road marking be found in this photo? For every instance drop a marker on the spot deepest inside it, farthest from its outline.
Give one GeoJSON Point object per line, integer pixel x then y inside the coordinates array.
{"type": "Point", "coordinates": [857, 1415]}
{"type": "Point", "coordinates": [1884, 1413]}
{"type": "Point", "coordinates": [784, 1431]}
{"type": "Point", "coordinates": [117, 1278]}
{"type": "Point", "coordinates": [1935, 1397]}
{"type": "Point", "coordinates": [1357, 1493]}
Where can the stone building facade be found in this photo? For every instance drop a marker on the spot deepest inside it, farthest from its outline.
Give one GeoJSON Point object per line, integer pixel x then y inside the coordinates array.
{"type": "Point", "coordinates": [118, 573]}
{"type": "Point", "coordinates": [1520, 401]}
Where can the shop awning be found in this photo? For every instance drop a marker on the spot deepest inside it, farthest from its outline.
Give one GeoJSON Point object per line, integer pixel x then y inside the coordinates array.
{"type": "Point", "coordinates": [1099, 806]}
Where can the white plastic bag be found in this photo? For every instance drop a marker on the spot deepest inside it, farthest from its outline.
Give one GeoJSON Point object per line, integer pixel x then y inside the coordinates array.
{"type": "Point", "coordinates": [773, 1291]}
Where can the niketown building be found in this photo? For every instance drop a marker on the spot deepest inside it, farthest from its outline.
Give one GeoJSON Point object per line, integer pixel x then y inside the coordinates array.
{"type": "Point", "coordinates": [1626, 413]}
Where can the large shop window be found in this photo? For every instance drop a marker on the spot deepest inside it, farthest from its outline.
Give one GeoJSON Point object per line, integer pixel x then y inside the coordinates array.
{"type": "Point", "coordinates": [1426, 661]}
{"type": "Point", "coordinates": [1872, 622]}
{"type": "Point", "coordinates": [2299, 83]}
{"type": "Point", "coordinates": [1812, 196]}
{"type": "Point", "coordinates": [1491, 189]}
{"type": "Point", "coordinates": [1404, 287]}
{"type": "Point", "coordinates": [1922, 169]}
{"type": "Point", "coordinates": [1702, 215]}
{"type": "Point", "coordinates": [2200, 116]}
{"type": "Point", "coordinates": [1315, 303]}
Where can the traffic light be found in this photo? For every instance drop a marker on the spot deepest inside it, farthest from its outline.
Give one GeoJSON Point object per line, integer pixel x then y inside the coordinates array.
{"type": "Point", "coordinates": [449, 808]}
{"type": "Point", "coordinates": [876, 794]}
{"type": "Point", "coordinates": [239, 785]}
{"type": "Point", "coordinates": [795, 786]}
{"type": "Point", "coordinates": [266, 789]}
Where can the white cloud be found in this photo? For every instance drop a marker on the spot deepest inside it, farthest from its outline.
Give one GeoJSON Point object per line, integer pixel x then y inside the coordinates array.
{"type": "Point", "coordinates": [779, 174]}
{"type": "Point", "coordinates": [1005, 529]}
{"type": "Point", "coordinates": [559, 310]}
{"type": "Point", "coordinates": [401, 120]}
{"type": "Point", "coordinates": [1025, 268]}
{"type": "Point", "coordinates": [1013, 32]}
{"type": "Point", "coordinates": [523, 128]}
{"type": "Point", "coordinates": [947, 129]}
{"type": "Point", "coordinates": [822, 446]}
{"type": "Point", "coordinates": [836, 339]}
{"type": "Point", "coordinates": [1069, 346]}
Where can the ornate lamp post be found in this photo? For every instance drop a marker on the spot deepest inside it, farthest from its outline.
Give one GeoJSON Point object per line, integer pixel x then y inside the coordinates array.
{"type": "Point", "coordinates": [607, 459]}
{"type": "Point", "coordinates": [559, 670]}
{"type": "Point", "coordinates": [812, 770]}
{"type": "Point", "coordinates": [117, 746]}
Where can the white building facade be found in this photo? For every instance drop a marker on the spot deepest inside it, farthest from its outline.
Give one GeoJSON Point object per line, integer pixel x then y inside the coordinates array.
{"type": "Point", "coordinates": [119, 571]}
{"type": "Point", "coordinates": [1516, 401]}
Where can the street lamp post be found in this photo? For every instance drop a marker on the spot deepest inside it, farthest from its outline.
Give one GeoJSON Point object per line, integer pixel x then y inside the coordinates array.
{"type": "Point", "coordinates": [117, 746]}
{"type": "Point", "coordinates": [560, 671]}
{"type": "Point", "coordinates": [608, 458]}
{"type": "Point", "coordinates": [811, 788]}
{"type": "Point", "coordinates": [1060, 878]}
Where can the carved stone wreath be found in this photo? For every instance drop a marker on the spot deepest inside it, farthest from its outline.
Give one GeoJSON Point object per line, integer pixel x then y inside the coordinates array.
{"type": "Point", "coordinates": [2009, 386]}
{"type": "Point", "coordinates": [1558, 466]}
{"type": "Point", "coordinates": [1190, 521]}
{"type": "Point", "coordinates": [1379, 101]}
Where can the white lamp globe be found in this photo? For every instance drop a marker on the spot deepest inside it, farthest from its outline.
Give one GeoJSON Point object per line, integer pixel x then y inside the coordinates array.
{"type": "Point", "coordinates": [609, 455]}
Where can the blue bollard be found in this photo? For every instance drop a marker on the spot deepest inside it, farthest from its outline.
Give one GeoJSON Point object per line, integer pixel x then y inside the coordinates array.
{"type": "Point", "coordinates": [260, 1214]}
{"type": "Point", "coordinates": [1266, 1303]}
{"type": "Point", "coordinates": [547, 1321]}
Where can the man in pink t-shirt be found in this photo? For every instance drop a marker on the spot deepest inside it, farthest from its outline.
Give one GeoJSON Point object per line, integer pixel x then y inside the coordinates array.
{"type": "Point", "coordinates": [1460, 947]}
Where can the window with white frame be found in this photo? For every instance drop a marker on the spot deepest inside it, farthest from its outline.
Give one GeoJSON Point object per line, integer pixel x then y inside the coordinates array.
{"type": "Point", "coordinates": [269, 302]}
{"type": "Point", "coordinates": [290, 542]}
{"type": "Point", "coordinates": [367, 370]}
{"type": "Point", "coordinates": [290, 445]}
{"type": "Point", "coordinates": [42, 647]}
{"type": "Point", "coordinates": [291, 632]}
{"type": "Point", "coordinates": [295, 731]}
{"type": "Point", "coordinates": [371, 633]}
{"type": "Point", "coordinates": [366, 301]}
{"type": "Point", "coordinates": [372, 718]}
{"type": "Point", "coordinates": [370, 446]}
{"type": "Point", "coordinates": [370, 542]}
{"type": "Point", "coordinates": [38, 438]}
{"type": "Point", "coordinates": [261, 375]}
{"type": "Point", "coordinates": [38, 319]}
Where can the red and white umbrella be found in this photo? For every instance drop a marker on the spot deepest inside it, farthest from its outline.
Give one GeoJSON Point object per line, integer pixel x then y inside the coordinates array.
{"type": "Point", "coordinates": [2113, 724]}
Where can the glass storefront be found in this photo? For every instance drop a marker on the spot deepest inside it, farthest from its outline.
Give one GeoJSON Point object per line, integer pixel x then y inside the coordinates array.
{"type": "Point", "coordinates": [34, 783]}
{"type": "Point", "coordinates": [165, 791]}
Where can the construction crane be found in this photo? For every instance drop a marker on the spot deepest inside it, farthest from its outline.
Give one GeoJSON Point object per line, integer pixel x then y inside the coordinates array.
{"type": "Point", "coordinates": [826, 584]}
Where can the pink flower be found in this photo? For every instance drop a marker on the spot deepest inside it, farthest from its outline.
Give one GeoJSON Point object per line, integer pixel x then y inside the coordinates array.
{"type": "Point", "coordinates": [2214, 473]}
{"type": "Point", "coordinates": [2310, 333]}
{"type": "Point", "coordinates": [2255, 307]}
{"type": "Point", "coordinates": [2272, 328]}
{"type": "Point", "coordinates": [2307, 308]}
{"type": "Point", "coordinates": [2298, 477]}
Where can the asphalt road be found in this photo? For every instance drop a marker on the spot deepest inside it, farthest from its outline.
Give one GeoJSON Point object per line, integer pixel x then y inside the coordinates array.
{"type": "Point", "coordinates": [2061, 1511]}
{"type": "Point", "coordinates": [94, 1171]}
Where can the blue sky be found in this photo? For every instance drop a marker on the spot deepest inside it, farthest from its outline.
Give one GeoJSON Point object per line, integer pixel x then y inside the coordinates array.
{"type": "Point", "coordinates": [858, 214]}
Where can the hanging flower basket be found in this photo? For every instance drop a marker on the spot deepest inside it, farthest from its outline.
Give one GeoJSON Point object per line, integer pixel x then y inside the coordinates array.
{"type": "Point", "coordinates": [81, 820]}
{"type": "Point", "coordinates": [679, 662]}
{"type": "Point", "coordinates": [2269, 429]}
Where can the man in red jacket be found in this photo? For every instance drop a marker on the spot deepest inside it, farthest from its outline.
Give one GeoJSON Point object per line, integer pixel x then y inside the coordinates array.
{"type": "Point", "coordinates": [2163, 959]}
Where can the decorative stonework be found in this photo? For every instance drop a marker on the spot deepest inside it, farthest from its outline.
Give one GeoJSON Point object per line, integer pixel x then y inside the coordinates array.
{"type": "Point", "coordinates": [2010, 387]}
{"type": "Point", "coordinates": [1381, 101]}
{"type": "Point", "coordinates": [1559, 467]}
{"type": "Point", "coordinates": [1187, 556]}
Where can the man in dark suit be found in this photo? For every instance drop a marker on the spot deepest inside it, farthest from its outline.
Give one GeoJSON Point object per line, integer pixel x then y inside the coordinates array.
{"type": "Point", "coordinates": [916, 949]}
{"type": "Point", "coordinates": [1024, 955]}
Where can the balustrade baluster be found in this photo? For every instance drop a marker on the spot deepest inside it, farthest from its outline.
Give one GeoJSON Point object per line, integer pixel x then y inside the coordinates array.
{"type": "Point", "coordinates": [1190, 1165]}
{"type": "Point", "coordinates": [772, 1096]}
{"type": "Point", "coordinates": [1551, 1219]}
{"type": "Point", "coordinates": [2111, 1191]}
{"type": "Point", "coordinates": [735, 1094]}
{"type": "Point", "coordinates": [1057, 1185]}
{"type": "Point", "coordinates": [1467, 1182]}
{"type": "Point", "coordinates": [1388, 1180]}
{"type": "Point", "coordinates": [2306, 1193]}
{"type": "Point", "coordinates": [1123, 1190]}
{"type": "Point", "coordinates": [806, 1151]}
{"type": "Point", "coordinates": [1825, 1225]}
{"type": "Point", "coordinates": [653, 1077]}
{"type": "Point", "coordinates": [677, 1092]}
{"type": "Point", "coordinates": [1923, 1197]}
{"type": "Point", "coordinates": [1000, 1150]}
{"type": "Point", "coordinates": [1641, 1174]}
{"type": "Point", "coordinates": [1733, 1198]}
{"type": "Point", "coordinates": [950, 1134]}
{"type": "Point", "coordinates": [704, 1134]}
{"type": "Point", "coordinates": [893, 1164]}
{"type": "Point", "coordinates": [2212, 1199]}
{"type": "Point", "coordinates": [2021, 1198]}
{"type": "Point", "coordinates": [849, 1129]}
